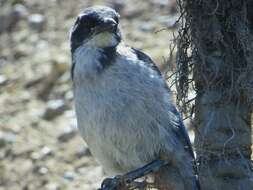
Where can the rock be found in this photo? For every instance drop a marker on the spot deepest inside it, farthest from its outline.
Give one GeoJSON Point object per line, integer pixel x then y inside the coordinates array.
{"type": "Point", "coordinates": [60, 64]}
{"type": "Point", "coordinates": [21, 51]}
{"type": "Point", "coordinates": [3, 80]}
{"type": "Point", "coordinates": [10, 17]}
{"type": "Point", "coordinates": [37, 22]}
{"type": "Point", "coordinates": [45, 151]}
{"type": "Point", "coordinates": [43, 170]}
{"type": "Point", "coordinates": [35, 155]}
{"type": "Point", "coordinates": [52, 186]}
{"type": "Point", "coordinates": [42, 153]}
{"type": "Point", "coordinates": [67, 134]}
{"type": "Point", "coordinates": [69, 95]}
{"type": "Point", "coordinates": [70, 176]}
{"type": "Point", "coordinates": [54, 109]}
{"type": "Point", "coordinates": [19, 11]}
{"type": "Point", "coordinates": [83, 151]}
{"type": "Point", "coordinates": [7, 138]}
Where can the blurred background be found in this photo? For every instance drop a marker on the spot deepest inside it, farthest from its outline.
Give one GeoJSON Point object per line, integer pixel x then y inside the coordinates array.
{"type": "Point", "coordinates": [40, 147]}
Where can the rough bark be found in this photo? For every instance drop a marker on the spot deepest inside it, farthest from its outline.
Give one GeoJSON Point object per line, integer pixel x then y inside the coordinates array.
{"type": "Point", "coordinates": [219, 38]}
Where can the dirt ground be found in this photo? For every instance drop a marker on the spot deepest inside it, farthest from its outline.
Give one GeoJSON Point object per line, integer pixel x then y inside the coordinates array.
{"type": "Point", "coordinates": [40, 147]}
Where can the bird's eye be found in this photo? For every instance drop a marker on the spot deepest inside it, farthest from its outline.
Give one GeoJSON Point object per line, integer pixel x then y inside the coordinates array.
{"type": "Point", "coordinates": [88, 21]}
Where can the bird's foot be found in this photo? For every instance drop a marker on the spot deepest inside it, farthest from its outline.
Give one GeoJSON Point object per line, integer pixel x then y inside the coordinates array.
{"type": "Point", "coordinates": [127, 181]}
{"type": "Point", "coordinates": [115, 183]}
{"type": "Point", "coordinates": [119, 183]}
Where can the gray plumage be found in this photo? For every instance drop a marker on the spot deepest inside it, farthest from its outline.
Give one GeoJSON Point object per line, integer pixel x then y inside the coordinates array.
{"type": "Point", "coordinates": [123, 106]}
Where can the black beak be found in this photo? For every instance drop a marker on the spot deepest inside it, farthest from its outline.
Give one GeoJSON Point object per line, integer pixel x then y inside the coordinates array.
{"type": "Point", "coordinates": [108, 24]}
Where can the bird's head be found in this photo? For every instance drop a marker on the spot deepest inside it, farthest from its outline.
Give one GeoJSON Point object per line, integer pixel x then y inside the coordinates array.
{"type": "Point", "coordinates": [96, 27]}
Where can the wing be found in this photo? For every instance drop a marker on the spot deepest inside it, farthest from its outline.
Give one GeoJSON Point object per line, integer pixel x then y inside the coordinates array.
{"type": "Point", "coordinates": [179, 128]}
{"type": "Point", "coordinates": [180, 131]}
{"type": "Point", "coordinates": [147, 60]}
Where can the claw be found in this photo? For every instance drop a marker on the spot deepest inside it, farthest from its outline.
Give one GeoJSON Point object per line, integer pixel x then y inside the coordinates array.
{"type": "Point", "coordinates": [127, 180]}
{"type": "Point", "coordinates": [115, 183]}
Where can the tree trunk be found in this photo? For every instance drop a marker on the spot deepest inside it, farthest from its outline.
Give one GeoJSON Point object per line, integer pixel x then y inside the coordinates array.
{"type": "Point", "coordinates": [222, 57]}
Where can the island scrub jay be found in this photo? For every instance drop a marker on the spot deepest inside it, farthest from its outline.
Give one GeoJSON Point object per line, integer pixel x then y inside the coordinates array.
{"type": "Point", "coordinates": [124, 108]}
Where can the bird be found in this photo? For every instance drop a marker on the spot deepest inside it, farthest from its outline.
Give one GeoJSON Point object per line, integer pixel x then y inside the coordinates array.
{"type": "Point", "coordinates": [124, 108]}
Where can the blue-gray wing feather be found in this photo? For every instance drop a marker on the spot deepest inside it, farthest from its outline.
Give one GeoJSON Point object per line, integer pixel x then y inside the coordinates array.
{"type": "Point", "coordinates": [178, 128]}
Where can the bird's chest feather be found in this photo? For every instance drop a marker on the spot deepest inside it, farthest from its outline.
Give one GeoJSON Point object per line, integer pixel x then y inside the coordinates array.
{"type": "Point", "coordinates": [102, 98]}
{"type": "Point", "coordinates": [106, 120]}
{"type": "Point", "coordinates": [113, 114]}
{"type": "Point", "coordinates": [94, 111]}
{"type": "Point", "coordinates": [101, 105]}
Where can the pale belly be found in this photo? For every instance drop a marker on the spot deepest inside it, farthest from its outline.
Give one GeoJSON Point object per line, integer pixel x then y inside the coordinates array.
{"type": "Point", "coordinates": [115, 136]}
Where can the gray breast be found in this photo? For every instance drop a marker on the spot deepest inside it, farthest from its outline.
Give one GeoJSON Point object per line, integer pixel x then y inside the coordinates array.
{"type": "Point", "coordinates": [121, 115]}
